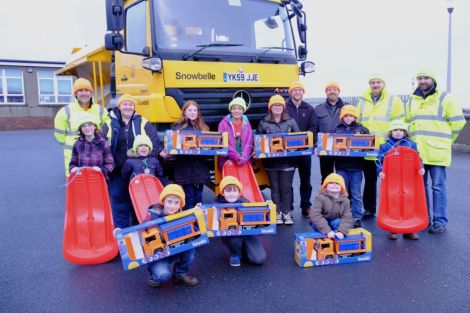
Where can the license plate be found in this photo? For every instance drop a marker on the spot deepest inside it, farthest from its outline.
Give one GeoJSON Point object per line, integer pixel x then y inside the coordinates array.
{"type": "Point", "coordinates": [241, 77]}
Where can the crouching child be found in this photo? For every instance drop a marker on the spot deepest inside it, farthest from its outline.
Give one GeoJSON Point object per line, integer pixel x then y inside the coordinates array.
{"type": "Point", "coordinates": [331, 212]}
{"type": "Point", "coordinates": [239, 246]}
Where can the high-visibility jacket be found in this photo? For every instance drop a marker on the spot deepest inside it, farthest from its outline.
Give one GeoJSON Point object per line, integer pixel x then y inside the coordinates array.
{"type": "Point", "coordinates": [376, 117]}
{"type": "Point", "coordinates": [435, 123]}
{"type": "Point", "coordinates": [65, 128]}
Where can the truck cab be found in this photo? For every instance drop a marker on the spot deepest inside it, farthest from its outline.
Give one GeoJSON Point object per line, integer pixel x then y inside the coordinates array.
{"type": "Point", "coordinates": [152, 241]}
{"type": "Point", "coordinates": [324, 248]}
{"type": "Point", "coordinates": [228, 219]}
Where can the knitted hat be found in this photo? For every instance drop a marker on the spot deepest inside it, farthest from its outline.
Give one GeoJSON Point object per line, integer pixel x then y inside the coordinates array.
{"type": "Point", "coordinates": [175, 190]}
{"type": "Point", "coordinates": [334, 178]}
{"type": "Point", "coordinates": [332, 85]}
{"type": "Point", "coordinates": [426, 73]}
{"type": "Point", "coordinates": [276, 99]}
{"type": "Point", "coordinates": [296, 85]}
{"type": "Point", "coordinates": [84, 117]}
{"type": "Point", "coordinates": [377, 76]}
{"type": "Point", "coordinates": [348, 109]}
{"type": "Point", "coordinates": [397, 124]}
{"type": "Point", "coordinates": [81, 83]}
{"type": "Point", "coordinates": [126, 97]}
{"type": "Point", "coordinates": [230, 180]}
{"type": "Point", "coordinates": [237, 101]}
{"type": "Point", "coordinates": [142, 140]}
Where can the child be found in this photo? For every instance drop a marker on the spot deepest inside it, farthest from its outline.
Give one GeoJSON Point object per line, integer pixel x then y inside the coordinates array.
{"type": "Point", "coordinates": [280, 170]}
{"type": "Point", "coordinates": [91, 149]}
{"type": "Point", "coordinates": [240, 133]}
{"type": "Point", "coordinates": [191, 172]}
{"type": "Point", "coordinates": [251, 246]}
{"type": "Point", "coordinates": [331, 214]}
{"type": "Point", "coordinates": [172, 199]}
{"type": "Point", "coordinates": [143, 162]}
{"type": "Point", "coordinates": [350, 168]}
{"type": "Point", "coordinates": [397, 136]}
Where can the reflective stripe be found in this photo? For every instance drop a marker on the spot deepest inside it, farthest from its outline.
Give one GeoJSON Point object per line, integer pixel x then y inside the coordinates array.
{"type": "Point", "coordinates": [381, 119]}
{"type": "Point", "coordinates": [60, 131]}
{"type": "Point", "coordinates": [456, 118]}
{"type": "Point", "coordinates": [400, 116]}
{"type": "Point", "coordinates": [67, 112]}
{"type": "Point", "coordinates": [69, 147]}
{"type": "Point", "coordinates": [456, 132]}
{"type": "Point", "coordinates": [431, 133]}
{"type": "Point", "coordinates": [427, 117]}
{"type": "Point", "coordinates": [441, 99]}
{"type": "Point", "coordinates": [365, 119]}
{"type": "Point", "coordinates": [389, 110]}
{"type": "Point", "coordinates": [73, 133]}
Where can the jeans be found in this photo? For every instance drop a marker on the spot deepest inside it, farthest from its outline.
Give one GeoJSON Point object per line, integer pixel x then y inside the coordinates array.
{"type": "Point", "coordinates": [123, 211]}
{"type": "Point", "coordinates": [193, 194]}
{"type": "Point", "coordinates": [370, 186]}
{"type": "Point", "coordinates": [353, 182]}
{"type": "Point", "coordinates": [249, 245]}
{"type": "Point", "coordinates": [438, 214]}
{"type": "Point", "coordinates": [327, 166]}
{"type": "Point", "coordinates": [281, 189]}
{"type": "Point", "coordinates": [160, 270]}
{"type": "Point", "coordinates": [304, 165]}
{"type": "Point", "coordinates": [334, 224]}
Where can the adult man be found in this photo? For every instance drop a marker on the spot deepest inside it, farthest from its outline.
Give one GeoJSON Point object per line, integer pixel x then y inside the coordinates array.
{"type": "Point", "coordinates": [65, 129]}
{"type": "Point", "coordinates": [304, 115]}
{"type": "Point", "coordinates": [377, 108]}
{"type": "Point", "coordinates": [435, 122]}
{"type": "Point", "coordinates": [327, 115]}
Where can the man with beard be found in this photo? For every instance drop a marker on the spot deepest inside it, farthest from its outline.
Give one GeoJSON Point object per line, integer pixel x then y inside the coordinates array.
{"type": "Point", "coordinates": [327, 119]}
{"type": "Point", "coordinates": [436, 119]}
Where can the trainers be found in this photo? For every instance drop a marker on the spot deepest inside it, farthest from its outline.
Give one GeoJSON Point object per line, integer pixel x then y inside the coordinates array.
{"type": "Point", "coordinates": [358, 224]}
{"type": "Point", "coordinates": [305, 211]}
{"type": "Point", "coordinates": [235, 260]}
{"type": "Point", "coordinates": [288, 219]}
{"type": "Point", "coordinates": [368, 214]}
{"type": "Point", "coordinates": [186, 280]}
{"type": "Point", "coordinates": [392, 236]}
{"type": "Point", "coordinates": [279, 219]}
{"type": "Point", "coordinates": [437, 228]}
{"type": "Point", "coordinates": [153, 283]}
{"type": "Point", "coordinates": [412, 236]}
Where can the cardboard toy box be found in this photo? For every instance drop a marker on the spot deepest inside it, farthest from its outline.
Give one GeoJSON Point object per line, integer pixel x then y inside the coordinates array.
{"type": "Point", "coordinates": [283, 145]}
{"type": "Point", "coordinates": [240, 219]}
{"type": "Point", "coordinates": [160, 238]}
{"type": "Point", "coordinates": [352, 145]}
{"type": "Point", "coordinates": [315, 249]}
{"type": "Point", "coordinates": [191, 142]}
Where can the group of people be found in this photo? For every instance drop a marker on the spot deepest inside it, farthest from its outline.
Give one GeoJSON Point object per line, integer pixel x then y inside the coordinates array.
{"type": "Point", "coordinates": [122, 144]}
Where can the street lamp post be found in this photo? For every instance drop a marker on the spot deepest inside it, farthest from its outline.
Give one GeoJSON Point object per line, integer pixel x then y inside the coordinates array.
{"type": "Point", "coordinates": [450, 9]}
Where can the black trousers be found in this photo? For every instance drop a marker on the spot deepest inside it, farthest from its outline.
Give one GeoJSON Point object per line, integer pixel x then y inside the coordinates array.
{"type": "Point", "coordinates": [281, 189]}
{"type": "Point", "coordinates": [369, 197]}
{"type": "Point", "coordinates": [304, 165]}
{"type": "Point", "coordinates": [327, 166]}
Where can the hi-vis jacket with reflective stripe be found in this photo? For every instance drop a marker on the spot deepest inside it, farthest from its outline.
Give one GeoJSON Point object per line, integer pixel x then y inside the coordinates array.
{"type": "Point", "coordinates": [435, 123]}
{"type": "Point", "coordinates": [65, 128]}
{"type": "Point", "coordinates": [377, 116]}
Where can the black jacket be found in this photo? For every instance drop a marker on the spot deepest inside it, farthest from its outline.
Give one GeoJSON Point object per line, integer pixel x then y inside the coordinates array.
{"type": "Point", "coordinates": [304, 115]}
{"type": "Point", "coordinates": [350, 162]}
{"type": "Point", "coordinates": [328, 116]}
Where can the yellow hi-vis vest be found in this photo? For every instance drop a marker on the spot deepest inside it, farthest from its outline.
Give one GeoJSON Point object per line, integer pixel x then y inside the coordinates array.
{"type": "Point", "coordinates": [65, 128]}
{"type": "Point", "coordinates": [435, 123]}
{"type": "Point", "coordinates": [376, 117]}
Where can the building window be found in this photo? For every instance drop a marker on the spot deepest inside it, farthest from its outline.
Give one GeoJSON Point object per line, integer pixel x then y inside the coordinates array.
{"type": "Point", "coordinates": [11, 86]}
{"type": "Point", "coordinates": [54, 89]}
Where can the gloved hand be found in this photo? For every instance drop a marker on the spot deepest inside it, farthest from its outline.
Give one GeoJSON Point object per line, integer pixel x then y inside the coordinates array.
{"type": "Point", "coordinates": [331, 235]}
{"type": "Point", "coordinates": [96, 169]}
{"type": "Point", "coordinates": [339, 235]}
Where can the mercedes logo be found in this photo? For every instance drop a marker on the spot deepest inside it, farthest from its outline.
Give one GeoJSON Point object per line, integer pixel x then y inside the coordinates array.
{"type": "Point", "coordinates": [245, 95]}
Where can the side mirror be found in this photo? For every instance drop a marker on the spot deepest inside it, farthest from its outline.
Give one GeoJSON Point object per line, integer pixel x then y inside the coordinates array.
{"type": "Point", "coordinates": [306, 67]}
{"type": "Point", "coordinates": [302, 53]}
{"type": "Point", "coordinates": [114, 15]}
{"type": "Point", "coordinates": [302, 28]}
{"type": "Point", "coordinates": [113, 41]}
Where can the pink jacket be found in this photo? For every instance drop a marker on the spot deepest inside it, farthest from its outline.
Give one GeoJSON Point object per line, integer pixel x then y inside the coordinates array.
{"type": "Point", "coordinates": [246, 140]}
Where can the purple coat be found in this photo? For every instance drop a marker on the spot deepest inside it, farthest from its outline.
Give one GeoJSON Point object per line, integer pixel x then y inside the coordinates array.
{"type": "Point", "coordinates": [246, 141]}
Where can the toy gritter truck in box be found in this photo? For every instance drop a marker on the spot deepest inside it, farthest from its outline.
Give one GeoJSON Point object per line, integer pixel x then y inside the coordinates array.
{"type": "Point", "coordinates": [283, 145]}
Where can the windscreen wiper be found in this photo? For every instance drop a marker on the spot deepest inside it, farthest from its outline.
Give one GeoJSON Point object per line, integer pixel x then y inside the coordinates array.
{"type": "Point", "coordinates": [203, 47]}
{"type": "Point", "coordinates": [269, 49]}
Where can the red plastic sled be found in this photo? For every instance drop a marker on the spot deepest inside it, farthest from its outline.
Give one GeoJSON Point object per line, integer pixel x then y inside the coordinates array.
{"type": "Point", "coordinates": [403, 207]}
{"type": "Point", "coordinates": [88, 227]}
{"type": "Point", "coordinates": [144, 190]}
{"type": "Point", "coordinates": [245, 175]}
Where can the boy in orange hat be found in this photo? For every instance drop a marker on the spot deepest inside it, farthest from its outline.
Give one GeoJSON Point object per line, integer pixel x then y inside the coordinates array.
{"type": "Point", "coordinates": [251, 246]}
{"type": "Point", "coordinates": [331, 213]}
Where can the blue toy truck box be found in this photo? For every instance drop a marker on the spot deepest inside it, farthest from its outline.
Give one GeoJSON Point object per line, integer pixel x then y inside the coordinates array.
{"type": "Point", "coordinates": [240, 219]}
{"type": "Point", "coordinates": [352, 145]}
{"type": "Point", "coordinates": [283, 145]}
{"type": "Point", "coordinates": [191, 142]}
{"type": "Point", "coordinates": [160, 238]}
{"type": "Point", "coordinates": [315, 249]}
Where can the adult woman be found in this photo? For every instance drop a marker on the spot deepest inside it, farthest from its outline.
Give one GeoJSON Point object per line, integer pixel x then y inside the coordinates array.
{"type": "Point", "coordinates": [280, 170]}
{"type": "Point", "coordinates": [124, 126]}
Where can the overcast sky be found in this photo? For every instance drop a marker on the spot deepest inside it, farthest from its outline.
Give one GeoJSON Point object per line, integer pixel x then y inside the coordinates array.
{"type": "Point", "coordinates": [348, 40]}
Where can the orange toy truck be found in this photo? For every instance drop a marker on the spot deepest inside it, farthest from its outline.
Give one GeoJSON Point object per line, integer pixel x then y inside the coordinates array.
{"type": "Point", "coordinates": [152, 241]}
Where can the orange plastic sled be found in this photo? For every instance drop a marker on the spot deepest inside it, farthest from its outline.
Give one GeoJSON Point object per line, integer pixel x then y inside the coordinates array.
{"type": "Point", "coordinates": [144, 190]}
{"type": "Point", "coordinates": [245, 175]}
{"type": "Point", "coordinates": [88, 227]}
{"type": "Point", "coordinates": [403, 207]}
